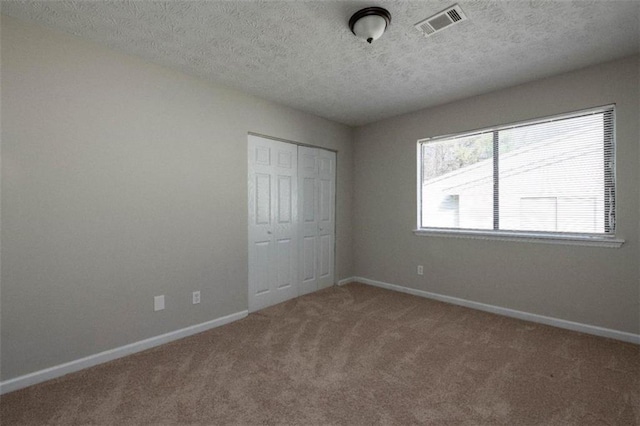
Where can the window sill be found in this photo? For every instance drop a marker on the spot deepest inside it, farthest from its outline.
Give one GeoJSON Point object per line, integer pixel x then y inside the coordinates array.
{"type": "Point", "coordinates": [523, 237]}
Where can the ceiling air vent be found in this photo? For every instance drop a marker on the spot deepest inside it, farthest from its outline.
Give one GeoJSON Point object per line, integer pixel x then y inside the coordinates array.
{"type": "Point", "coordinates": [441, 20]}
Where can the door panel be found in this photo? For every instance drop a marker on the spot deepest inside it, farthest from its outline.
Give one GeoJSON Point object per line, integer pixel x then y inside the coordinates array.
{"type": "Point", "coordinates": [325, 256]}
{"type": "Point", "coordinates": [273, 233]}
{"type": "Point", "coordinates": [308, 160]}
{"type": "Point", "coordinates": [317, 182]}
{"type": "Point", "coordinates": [325, 200]}
{"type": "Point", "coordinates": [285, 254]}
{"type": "Point", "coordinates": [262, 266]}
{"type": "Point", "coordinates": [325, 164]}
{"type": "Point", "coordinates": [284, 199]}
{"type": "Point", "coordinates": [308, 259]}
{"type": "Point", "coordinates": [284, 159]}
{"type": "Point", "coordinates": [263, 155]}
{"type": "Point", "coordinates": [308, 199]}
{"type": "Point", "coordinates": [326, 222]}
{"type": "Point", "coordinates": [263, 199]}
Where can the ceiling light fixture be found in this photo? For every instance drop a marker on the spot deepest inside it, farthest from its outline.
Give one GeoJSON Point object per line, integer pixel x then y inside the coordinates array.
{"type": "Point", "coordinates": [370, 23]}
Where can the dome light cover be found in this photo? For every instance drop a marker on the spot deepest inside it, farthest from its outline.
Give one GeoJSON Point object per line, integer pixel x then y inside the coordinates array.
{"type": "Point", "coordinates": [370, 23]}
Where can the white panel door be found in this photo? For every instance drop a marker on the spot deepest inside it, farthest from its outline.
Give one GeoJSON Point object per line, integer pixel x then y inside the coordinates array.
{"type": "Point", "coordinates": [326, 217]}
{"type": "Point", "coordinates": [273, 222]}
{"type": "Point", "coordinates": [316, 201]}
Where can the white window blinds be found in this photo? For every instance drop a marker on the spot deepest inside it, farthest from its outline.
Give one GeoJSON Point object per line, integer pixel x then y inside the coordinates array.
{"type": "Point", "coordinates": [554, 175]}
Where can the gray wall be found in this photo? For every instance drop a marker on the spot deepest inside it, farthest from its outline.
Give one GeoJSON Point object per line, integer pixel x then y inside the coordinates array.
{"type": "Point", "coordinates": [596, 286]}
{"type": "Point", "coordinates": [122, 180]}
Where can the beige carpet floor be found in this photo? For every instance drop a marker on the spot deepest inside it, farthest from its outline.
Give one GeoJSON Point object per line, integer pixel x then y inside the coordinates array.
{"type": "Point", "coordinates": [353, 355]}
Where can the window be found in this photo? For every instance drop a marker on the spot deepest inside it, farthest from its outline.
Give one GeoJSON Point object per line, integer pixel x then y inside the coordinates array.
{"type": "Point", "coordinates": [548, 178]}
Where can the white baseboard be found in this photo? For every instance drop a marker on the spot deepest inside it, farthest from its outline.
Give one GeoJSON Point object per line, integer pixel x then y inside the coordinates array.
{"type": "Point", "coordinates": [111, 354]}
{"type": "Point", "coordinates": [556, 322]}
{"type": "Point", "coordinates": [346, 280]}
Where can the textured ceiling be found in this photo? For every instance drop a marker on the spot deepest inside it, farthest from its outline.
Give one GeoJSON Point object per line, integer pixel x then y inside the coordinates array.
{"type": "Point", "coordinates": [302, 54]}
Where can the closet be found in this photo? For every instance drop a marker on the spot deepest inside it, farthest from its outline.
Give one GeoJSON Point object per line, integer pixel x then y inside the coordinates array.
{"type": "Point", "coordinates": [291, 220]}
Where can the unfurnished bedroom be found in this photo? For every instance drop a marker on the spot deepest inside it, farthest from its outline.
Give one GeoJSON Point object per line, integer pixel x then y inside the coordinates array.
{"type": "Point", "coordinates": [320, 212]}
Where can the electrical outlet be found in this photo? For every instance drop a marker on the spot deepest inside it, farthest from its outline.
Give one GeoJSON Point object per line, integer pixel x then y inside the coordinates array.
{"type": "Point", "coordinates": [158, 303]}
{"type": "Point", "coordinates": [196, 297]}
{"type": "Point", "coordinates": [420, 270]}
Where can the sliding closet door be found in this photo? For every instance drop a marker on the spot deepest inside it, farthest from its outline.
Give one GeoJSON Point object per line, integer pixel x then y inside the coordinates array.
{"type": "Point", "coordinates": [273, 222]}
{"type": "Point", "coordinates": [316, 201]}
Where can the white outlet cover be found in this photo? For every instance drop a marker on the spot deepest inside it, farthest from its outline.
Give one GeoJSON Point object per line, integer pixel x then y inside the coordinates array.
{"type": "Point", "coordinates": [158, 303]}
{"type": "Point", "coordinates": [420, 270]}
{"type": "Point", "coordinates": [196, 297]}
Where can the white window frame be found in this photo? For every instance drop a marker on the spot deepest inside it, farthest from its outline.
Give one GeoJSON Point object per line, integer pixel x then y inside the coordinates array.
{"type": "Point", "coordinates": [582, 239]}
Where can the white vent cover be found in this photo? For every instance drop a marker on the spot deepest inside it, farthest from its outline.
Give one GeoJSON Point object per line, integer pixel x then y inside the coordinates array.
{"type": "Point", "coordinates": [441, 20]}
